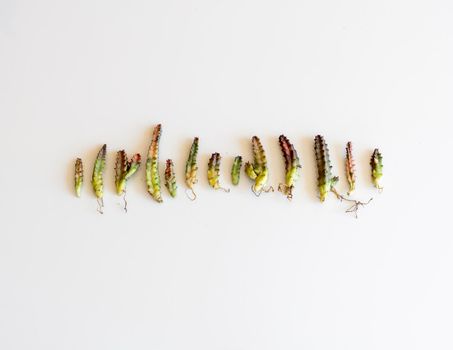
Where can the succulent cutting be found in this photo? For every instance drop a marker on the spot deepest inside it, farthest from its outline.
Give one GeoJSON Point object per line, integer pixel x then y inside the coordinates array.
{"type": "Point", "coordinates": [97, 179]}
{"type": "Point", "coordinates": [214, 172]}
{"type": "Point", "coordinates": [292, 166]}
{"type": "Point", "coordinates": [236, 170]}
{"type": "Point", "coordinates": [170, 178]}
{"type": "Point", "coordinates": [376, 169]}
{"type": "Point", "coordinates": [78, 176]}
{"type": "Point", "coordinates": [350, 168]}
{"type": "Point", "coordinates": [124, 169]}
{"type": "Point", "coordinates": [258, 170]}
{"type": "Point", "coordinates": [326, 181]}
{"type": "Point", "coordinates": [192, 168]}
{"type": "Point", "coordinates": [152, 166]}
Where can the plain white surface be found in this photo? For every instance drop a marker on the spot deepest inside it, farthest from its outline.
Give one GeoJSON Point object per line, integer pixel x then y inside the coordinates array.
{"type": "Point", "coordinates": [228, 271]}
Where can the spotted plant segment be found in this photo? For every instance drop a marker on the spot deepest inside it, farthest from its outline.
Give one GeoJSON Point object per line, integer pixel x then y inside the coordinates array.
{"type": "Point", "coordinates": [236, 170]}
{"type": "Point", "coordinates": [97, 179]}
{"type": "Point", "coordinates": [214, 172]}
{"type": "Point", "coordinates": [152, 166]}
{"type": "Point", "coordinates": [192, 168]}
{"type": "Point", "coordinates": [350, 168]}
{"type": "Point", "coordinates": [124, 169]}
{"type": "Point", "coordinates": [78, 176]}
{"type": "Point", "coordinates": [376, 169]}
{"type": "Point", "coordinates": [258, 171]}
{"type": "Point", "coordinates": [292, 166]}
{"type": "Point", "coordinates": [326, 181]}
{"type": "Point", "coordinates": [170, 178]}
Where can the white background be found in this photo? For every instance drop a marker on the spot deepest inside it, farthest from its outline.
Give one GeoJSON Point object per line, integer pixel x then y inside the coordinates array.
{"type": "Point", "coordinates": [228, 271]}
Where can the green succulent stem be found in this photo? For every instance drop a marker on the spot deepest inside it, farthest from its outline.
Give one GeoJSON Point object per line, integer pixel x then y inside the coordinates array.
{"type": "Point", "coordinates": [292, 166]}
{"type": "Point", "coordinates": [350, 168]}
{"type": "Point", "coordinates": [78, 176]}
{"type": "Point", "coordinates": [377, 169]}
{"type": "Point", "coordinates": [192, 169]}
{"type": "Point", "coordinates": [326, 181]}
{"type": "Point", "coordinates": [258, 170]}
{"type": "Point", "coordinates": [152, 166]}
{"type": "Point", "coordinates": [236, 170]}
{"type": "Point", "coordinates": [170, 178]}
{"type": "Point", "coordinates": [124, 169]}
{"type": "Point", "coordinates": [214, 172]}
{"type": "Point", "coordinates": [97, 179]}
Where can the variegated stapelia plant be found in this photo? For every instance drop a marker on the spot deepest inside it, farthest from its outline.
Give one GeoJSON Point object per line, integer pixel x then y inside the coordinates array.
{"type": "Point", "coordinates": [376, 169]}
{"type": "Point", "coordinates": [258, 170]}
{"type": "Point", "coordinates": [350, 168]}
{"type": "Point", "coordinates": [152, 166]}
{"type": "Point", "coordinates": [78, 176]}
{"type": "Point", "coordinates": [214, 172]}
{"type": "Point", "coordinates": [170, 178]}
{"type": "Point", "coordinates": [236, 170]}
{"type": "Point", "coordinates": [97, 180]}
{"type": "Point", "coordinates": [192, 168]}
{"type": "Point", "coordinates": [124, 169]}
{"type": "Point", "coordinates": [292, 166]}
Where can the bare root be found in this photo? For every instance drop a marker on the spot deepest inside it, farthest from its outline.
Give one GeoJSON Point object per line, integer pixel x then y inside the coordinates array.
{"type": "Point", "coordinates": [125, 202]}
{"type": "Point", "coordinates": [193, 195]}
{"type": "Point", "coordinates": [354, 208]}
{"type": "Point", "coordinates": [100, 205]}
{"type": "Point", "coordinates": [265, 190]}
{"type": "Point", "coordinates": [286, 190]}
